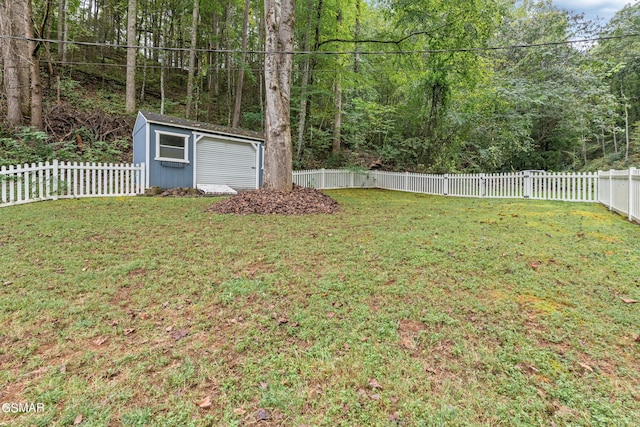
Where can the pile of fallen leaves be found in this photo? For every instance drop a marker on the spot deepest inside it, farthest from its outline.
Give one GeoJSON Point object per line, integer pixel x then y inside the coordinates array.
{"type": "Point", "coordinates": [300, 201]}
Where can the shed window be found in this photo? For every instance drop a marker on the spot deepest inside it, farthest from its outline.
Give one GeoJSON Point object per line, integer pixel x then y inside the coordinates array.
{"type": "Point", "coordinates": [172, 147]}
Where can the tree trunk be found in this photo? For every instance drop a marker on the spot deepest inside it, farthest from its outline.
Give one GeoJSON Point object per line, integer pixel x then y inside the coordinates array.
{"type": "Point", "coordinates": [144, 81]}
{"type": "Point", "coordinates": [626, 127]}
{"type": "Point", "coordinates": [261, 67]}
{"type": "Point", "coordinates": [279, 25]}
{"type": "Point", "coordinates": [238, 105]}
{"type": "Point", "coordinates": [34, 69]}
{"type": "Point", "coordinates": [11, 60]}
{"type": "Point", "coordinates": [163, 71]}
{"type": "Point", "coordinates": [216, 56]}
{"type": "Point", "coordinates": [47, 35]}
{"type": "Point", "coordinates": [302, 118]}
{"type": "Point", "coordinates": [227, 61]}
{"type": "Point", "coordinates": [337, 117]}
{"type": "Point", "coordinates": [192, 56]}
{"type": "Point", "coordinates": [65, 31]}
{"type": "Point", "coordinates": [61, 9]}
{"type": "Point", "coordinates": [20, 22]}
{"type": "Point", "coordinates": [130, 98]}
{"type": "Point", "coordinates": [356, 57]}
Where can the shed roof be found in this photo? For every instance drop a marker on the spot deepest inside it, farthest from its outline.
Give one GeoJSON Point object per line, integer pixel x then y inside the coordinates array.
{"type": "Point", "coordinates": [200, 126]}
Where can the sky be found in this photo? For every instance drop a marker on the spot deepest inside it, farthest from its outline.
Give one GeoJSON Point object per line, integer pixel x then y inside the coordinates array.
{"type": "Point", "coordinates": [594, 8]}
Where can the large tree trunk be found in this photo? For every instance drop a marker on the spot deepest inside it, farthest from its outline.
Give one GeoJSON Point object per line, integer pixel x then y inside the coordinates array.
{"type": "Point", "coordinates": [238, 105]}
{"type": "Point", "coordinates": [130, 98]}
{"type": "Point", "coordinates": [11, 60]}
{"type": "Point", "coordinates": [279, 21]}
{"type": "Point", "coordinates": [192, 57]}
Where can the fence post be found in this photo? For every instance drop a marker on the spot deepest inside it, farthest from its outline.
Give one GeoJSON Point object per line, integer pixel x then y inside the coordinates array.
{"type": "Point", "coordinates": [406, 181]}
{"type": "Point", "coordinates": [351, 178]}
{"type": "Point", "coordinates": [322, 179]}
{"type": "Point", "coordinates": [610, 189]}
{"type": "Point", "coordinates": [631, 201]}
{"type": "Point", "coordinates": [483, 191]}
{"type": "Point", "coordinates": [54, 180]}
{"type": "Point", "coordinates": [3, 184]}
{"type": "Point", "coordinates": [143, 176]}
{"type": "Point", "coordinates": [526, 185]}
{"type": "Point", "coordinates": [445, 185]}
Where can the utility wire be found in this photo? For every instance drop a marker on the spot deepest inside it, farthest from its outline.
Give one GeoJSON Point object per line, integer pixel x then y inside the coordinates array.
{"type": "Point", "coordinates": [347, 52]}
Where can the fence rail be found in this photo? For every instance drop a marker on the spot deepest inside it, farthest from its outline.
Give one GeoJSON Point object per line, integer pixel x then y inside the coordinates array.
{"type": "Point", "coordinates": [51, 181]}
{"type": "Point", "coordinates": [619, 190]}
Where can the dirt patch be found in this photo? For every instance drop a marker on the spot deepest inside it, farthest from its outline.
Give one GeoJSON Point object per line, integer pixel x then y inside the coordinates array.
{"type": "Point", "coordinates": [409, 332]}
{"type": "Point", "coordinates": [299, 201]}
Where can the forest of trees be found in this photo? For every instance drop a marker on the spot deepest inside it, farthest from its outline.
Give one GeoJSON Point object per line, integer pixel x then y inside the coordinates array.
{"type": "Point", "coordinates": [422, 85]}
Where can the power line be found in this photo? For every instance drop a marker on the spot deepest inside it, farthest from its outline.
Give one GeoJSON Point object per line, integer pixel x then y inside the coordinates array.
{"type": "Point", "coordinates": [347, 52]}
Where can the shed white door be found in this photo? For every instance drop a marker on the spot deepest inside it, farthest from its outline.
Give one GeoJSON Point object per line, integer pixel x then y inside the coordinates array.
{"type": "Point", "coordinates": [226, 162]}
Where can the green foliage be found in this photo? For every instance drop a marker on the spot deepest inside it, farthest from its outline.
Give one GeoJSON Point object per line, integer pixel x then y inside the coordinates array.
{"type": "Point", "coordinates": [30, 147]}
{"type": "Point", "coordinates": [367, 124]}
{"type": "Point", "coordinates": [33, 146]}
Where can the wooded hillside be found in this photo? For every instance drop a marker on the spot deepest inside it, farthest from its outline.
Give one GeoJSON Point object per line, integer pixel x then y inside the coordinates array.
{"type": "Point", "coordinates": [423, 85]}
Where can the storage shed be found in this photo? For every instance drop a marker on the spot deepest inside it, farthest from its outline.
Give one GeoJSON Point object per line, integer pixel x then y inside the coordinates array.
{"type": "Point", "coordinates": [185, 153]}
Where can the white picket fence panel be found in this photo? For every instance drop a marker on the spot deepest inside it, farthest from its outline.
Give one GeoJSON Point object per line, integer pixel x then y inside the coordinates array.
{"type": "Point", "coordinates": [58, 180]}
{"type": "Point", "coordinates": [620, 190]}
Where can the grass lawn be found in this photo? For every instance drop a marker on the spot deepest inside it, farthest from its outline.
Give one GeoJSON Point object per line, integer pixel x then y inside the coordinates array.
{"type": "Point", "coordinates": [401, 310]}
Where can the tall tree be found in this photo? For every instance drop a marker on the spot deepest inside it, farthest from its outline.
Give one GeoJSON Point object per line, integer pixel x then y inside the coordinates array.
{"type": "Point", "coordinates": [279, 26]}
{"type": "Point", "coordinates": [11, 61]}
{"type": "Point", "coordinates": [192, 56]}
{"type": "Point", "coordinates": [302, 117]}
{"type": "Point", "coordinates": [130, 98]}
{"type": "Point", "coordinates": [240, 83]}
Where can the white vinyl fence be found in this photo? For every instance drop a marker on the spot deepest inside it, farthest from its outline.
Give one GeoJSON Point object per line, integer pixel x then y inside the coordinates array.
{"type": "Point", "coordinates": [575, 187]}
{"type": "Point", "coordinates": [51, 181]}
{"type": "Point", "coordinates": [619, 190]}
